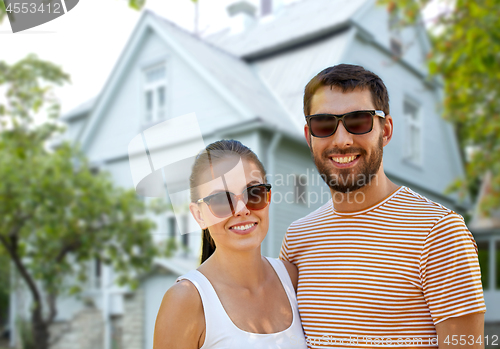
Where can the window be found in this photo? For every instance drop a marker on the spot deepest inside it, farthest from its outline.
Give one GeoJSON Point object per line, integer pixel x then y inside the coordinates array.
{"type": "Point", "coordinates": [413, 139]}
{"type": "Point", "coordinates": [299, 190]}
{"type": "Point", "coordinates": [172, 227]}
{"type": "Point", "coordinates": [483, 254]}
{"type": "Point", "coordinates": [185, 231]}
{"type": "Point", "coordinates": [95, 272]}
{"type": "Point", "coordinates": [497, 264]}
{"type": "Point", "coordinates": [155, 93]}
{"type": "Point", "coordinates": [396, 47]}
{"type": "Point", "coordinates": [395, 41]}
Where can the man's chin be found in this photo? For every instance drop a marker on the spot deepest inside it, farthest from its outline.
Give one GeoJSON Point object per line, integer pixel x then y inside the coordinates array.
{"type": "Point", "coordinates": [346, 190]}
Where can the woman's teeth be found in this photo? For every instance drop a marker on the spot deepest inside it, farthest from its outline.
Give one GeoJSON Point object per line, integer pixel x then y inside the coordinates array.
{"type": "Point", "coordinates": [243, 227]}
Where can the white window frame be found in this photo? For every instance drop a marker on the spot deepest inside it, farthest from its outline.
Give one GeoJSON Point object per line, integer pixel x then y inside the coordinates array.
{"type": "Point", "coordinates": [157, 112]}
{"type": "Point", "coordinates": [413, 147]}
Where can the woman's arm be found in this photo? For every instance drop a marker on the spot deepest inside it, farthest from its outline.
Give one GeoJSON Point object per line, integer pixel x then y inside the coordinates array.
{"type": "Point", "coordinates": [293, 272]}
{"type": "Point", "coordinates": [180, 323]}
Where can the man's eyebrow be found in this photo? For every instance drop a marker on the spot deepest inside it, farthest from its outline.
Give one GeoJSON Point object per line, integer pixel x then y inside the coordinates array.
{"type": "Point", "coordinates": [249, 184]}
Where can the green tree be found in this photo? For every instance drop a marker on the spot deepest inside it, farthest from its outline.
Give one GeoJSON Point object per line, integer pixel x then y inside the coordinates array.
{"type": "Point", "coordinates": [466, 55]}
{"type": "Point", "coordinates": [4, 290]}
{"type": "Point", "coordinates": [55, 214]}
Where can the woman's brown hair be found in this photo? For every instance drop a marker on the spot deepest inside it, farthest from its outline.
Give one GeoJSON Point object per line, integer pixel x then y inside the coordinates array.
{"type": "Point", "coordinates": [209, 156]}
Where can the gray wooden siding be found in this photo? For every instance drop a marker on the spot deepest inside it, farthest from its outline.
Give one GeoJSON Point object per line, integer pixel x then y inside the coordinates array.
{"type": "Point", "coordinates": [292, 159]}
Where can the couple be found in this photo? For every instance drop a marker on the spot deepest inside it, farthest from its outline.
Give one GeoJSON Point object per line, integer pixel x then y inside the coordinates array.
{"type": "Point", "coordinates": [392, 270]}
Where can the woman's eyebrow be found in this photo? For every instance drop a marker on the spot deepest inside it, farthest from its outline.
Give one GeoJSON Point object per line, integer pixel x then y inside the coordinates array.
{"type": "Point", "coordinates": [215, 191]}
{"type": "Point", "coordinates": [249, 184]}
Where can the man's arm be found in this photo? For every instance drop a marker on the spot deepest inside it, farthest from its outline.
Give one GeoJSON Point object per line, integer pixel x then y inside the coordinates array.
{"type": "Point", "coordinates": [465, 332]}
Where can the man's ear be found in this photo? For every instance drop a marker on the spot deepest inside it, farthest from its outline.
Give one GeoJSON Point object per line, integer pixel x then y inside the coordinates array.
{"type": "Point", "coordinates": [195, 211]}
{"type": "Point", "coordinates": [387, 130]}
{"type": "Point", "coordinates": [307, 135]}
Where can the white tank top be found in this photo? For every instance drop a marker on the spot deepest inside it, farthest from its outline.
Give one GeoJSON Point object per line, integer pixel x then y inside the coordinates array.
{"type": "Point", "coordinates": [222, 333]}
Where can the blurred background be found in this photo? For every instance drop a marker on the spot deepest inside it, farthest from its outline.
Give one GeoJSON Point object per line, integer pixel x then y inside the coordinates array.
{"type": "Point", "coordinates": [85, 260]}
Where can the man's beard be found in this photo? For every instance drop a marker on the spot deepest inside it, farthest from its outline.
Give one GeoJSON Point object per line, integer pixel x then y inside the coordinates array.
{"type": "Point", "coordinates": [345, 180]}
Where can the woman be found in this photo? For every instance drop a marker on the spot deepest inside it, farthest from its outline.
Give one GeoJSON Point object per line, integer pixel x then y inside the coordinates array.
{"type": "Point", "coordinates": [237, 298]}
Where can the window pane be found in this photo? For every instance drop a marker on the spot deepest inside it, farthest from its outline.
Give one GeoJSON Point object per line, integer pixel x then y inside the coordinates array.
{"type": "Point", "coordinates": [300, 189]}
{"type": "Point", "coordinates": [172, 227]}
{"type": "Point", "coordinates": [411, 111]}
{"type": "Point", "coordinates": [413, 146]}
{"type": "Point", "coordinates": [483, 252]}
{"type": "Point", "coordinates": [149, 105]}
{"type": "Point", "coordinates": [149, 100]}
{"type": "Point", "coordinates": [155, 74]}
{"type": "Point", "coordinates": [416, 144]}
{"type": "Point", "coordinates": [161, 96]}
{"type": "Point", "coordinates": [161, 102]}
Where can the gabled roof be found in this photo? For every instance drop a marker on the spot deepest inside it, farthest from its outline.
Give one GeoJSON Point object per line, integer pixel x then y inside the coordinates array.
{"type": "Point", "coordinates": [237, 76]}
{"type": "Point", "coordinates": [233, 78]}
{"type": "Point", "coordinates": [297, 23]}
{"type": "Point", "coordinates": [80, 110]}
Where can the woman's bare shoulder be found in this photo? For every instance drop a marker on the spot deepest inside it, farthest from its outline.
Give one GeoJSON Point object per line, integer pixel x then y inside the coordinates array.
{"type": "Point", "coordinates": [180, 322]}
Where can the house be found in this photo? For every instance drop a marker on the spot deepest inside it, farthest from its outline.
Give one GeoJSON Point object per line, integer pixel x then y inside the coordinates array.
{"type": "Point", "coordinates": [486, 230]}
{"type": "Point", "coordinates": [247, 83]}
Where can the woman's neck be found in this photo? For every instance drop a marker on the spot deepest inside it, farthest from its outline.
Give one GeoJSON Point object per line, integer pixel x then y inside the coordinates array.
{"type": "Point", "coordinates": [236, 268]}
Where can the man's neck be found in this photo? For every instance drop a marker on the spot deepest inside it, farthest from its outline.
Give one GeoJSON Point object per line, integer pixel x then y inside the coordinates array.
{"type": "Point", "coordinates": [378, 189]}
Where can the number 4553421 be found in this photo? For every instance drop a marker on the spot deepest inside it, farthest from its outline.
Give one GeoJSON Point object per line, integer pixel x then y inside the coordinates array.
{"type": "Point", "coordinates": [470, 340]}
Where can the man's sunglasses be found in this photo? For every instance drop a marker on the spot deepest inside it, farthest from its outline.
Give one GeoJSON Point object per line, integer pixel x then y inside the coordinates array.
{"type": "Point", "coordinates": [223, 204]}
{"type": "Point", "coordinates": [356, 122]}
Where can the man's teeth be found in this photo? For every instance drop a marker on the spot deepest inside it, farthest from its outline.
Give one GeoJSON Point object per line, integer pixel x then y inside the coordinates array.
{"type": "Point", "coordinates": [344, 160]}
{"type": "Point", "coordinates": [243, 227]}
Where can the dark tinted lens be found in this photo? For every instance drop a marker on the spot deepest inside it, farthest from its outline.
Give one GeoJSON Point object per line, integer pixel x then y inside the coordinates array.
{"type": "Point", "coordinates": [220, 204]}
{"type": "Point", "coordinates": [323, 126]}
{"type": "Point", "coordinates": [256, 198]}
{"type": "Point", "coordinates": [358, 123]}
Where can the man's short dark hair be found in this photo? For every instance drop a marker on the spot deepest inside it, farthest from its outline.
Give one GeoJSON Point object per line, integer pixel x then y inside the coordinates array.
{"type": "Point", "coordinates": [348, 77]}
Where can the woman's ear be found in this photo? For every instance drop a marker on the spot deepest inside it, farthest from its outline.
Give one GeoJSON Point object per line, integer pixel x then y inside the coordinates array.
{"type": "Point", "coordinates": [195, 211]}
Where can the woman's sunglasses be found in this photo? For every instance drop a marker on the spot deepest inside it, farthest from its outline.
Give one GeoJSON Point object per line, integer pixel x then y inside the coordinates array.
{"type": "Point", "coordinates": [223, 204]}
{"type": "Point", "coordinates": [356, 122]}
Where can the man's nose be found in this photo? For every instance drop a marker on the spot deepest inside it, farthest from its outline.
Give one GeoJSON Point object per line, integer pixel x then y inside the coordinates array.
{"type": "Point", "coordinates": [341, 138]}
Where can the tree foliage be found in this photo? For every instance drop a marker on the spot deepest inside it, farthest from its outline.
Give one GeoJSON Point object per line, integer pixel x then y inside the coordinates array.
{"type": "Point", "coordinates": [466, 55]}
{"type": "Point", "coordinates": [56, 214]}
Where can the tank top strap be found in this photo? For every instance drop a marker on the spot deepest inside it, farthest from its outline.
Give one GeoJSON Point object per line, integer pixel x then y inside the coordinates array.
{"type": "Point", "coordinates": [284, 277]}
{"type": "Point", "coordinates": [215, 314]}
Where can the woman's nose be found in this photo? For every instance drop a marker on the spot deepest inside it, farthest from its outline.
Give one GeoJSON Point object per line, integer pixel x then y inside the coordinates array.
{"type": "Point", "coordinates": [240, 208]}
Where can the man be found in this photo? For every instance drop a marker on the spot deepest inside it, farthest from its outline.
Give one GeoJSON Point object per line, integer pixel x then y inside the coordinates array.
{"type": "Point", "coordinates": [379, 265]}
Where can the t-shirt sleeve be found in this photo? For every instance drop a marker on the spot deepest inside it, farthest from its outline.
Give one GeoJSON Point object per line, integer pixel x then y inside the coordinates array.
{"type": "Point", "coordinates": [449, 270]}
{"type": "Point", "coordinates": [284, 252]}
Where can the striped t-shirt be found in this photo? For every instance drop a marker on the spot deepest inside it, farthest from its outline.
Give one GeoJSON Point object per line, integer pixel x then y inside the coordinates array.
{"type": "Point", "coordinates": [385, 275]}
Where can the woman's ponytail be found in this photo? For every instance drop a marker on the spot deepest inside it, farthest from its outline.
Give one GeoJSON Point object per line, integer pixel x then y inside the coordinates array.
{"type": "Point", "coordinates": [207, 245]}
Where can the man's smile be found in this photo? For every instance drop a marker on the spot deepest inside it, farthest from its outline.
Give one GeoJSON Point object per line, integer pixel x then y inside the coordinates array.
{"type": "Point", "coordinates": [344, 159]}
